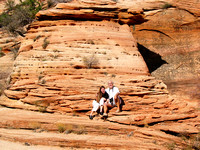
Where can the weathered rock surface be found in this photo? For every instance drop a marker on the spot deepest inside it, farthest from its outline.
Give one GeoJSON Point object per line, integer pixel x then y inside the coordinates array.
{"type": "Point", "coordinates": [34, 128]}
{"type": "Point", "coordinates": [50, 71]}
{"type": "Point", "coordinates": [94, 12]}
{"type": "Point", "coordinates": [169, 42]}
{"type": "Point", "coordinates": [57, 75]}
{"type": "Point", "coordinates": [49, 75]}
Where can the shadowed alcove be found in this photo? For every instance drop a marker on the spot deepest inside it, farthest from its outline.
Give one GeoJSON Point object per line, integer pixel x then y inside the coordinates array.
{"type": "Point", "coordinates": [153, 60]}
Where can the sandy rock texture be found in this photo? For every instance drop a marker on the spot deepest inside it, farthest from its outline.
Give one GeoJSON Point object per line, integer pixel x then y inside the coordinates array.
{"type": "Point", "coordinates": [74, 131]}
{"type": "Point", "coordinates": [74, 48]}
{"type": "Point", "coordinates": [169, 42]}
{"type": "Point", "coordinates": [62, 62]}
{"type": "Point", "coordinates": [41, 74]}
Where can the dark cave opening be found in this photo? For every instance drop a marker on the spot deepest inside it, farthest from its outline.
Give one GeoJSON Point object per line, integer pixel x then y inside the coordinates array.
{"type": "Point", "coordinates": [152, 59]}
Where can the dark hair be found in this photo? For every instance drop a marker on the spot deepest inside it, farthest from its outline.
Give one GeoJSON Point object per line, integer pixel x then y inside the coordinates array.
{"type": "Point", "coordinates": [99, 94]}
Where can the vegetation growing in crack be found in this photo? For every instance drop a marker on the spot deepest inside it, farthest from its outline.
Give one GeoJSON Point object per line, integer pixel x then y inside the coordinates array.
{"type": "Point", "coordinates": [61, 127]}
{"type": "Point", "coordinates": [1, 53]}
{"type": "Point", "coordinates": [51, 3]}
{"type": "Point", "coordinates": [192, 141]}
{"type": "Point", "coordinates": [35, 125]}
{"type": "Point", "coordinates": [166, 5]}
{"type": "Point", "coordinates": [45, 43]}
{"type": "Point", "coordinates": [36, 38]}
{"type": "Point", "coordinates": [15, 51]}
{"type": "Point", "coordinates": [115, 1]}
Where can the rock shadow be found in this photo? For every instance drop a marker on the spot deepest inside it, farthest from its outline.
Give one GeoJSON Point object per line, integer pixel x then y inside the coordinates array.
{"type": "Point", "coordinates": [152, 59]}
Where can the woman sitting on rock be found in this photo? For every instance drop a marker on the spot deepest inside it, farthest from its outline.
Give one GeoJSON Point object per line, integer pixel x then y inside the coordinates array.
{"type": "Point", "coordinates": [101, 97]}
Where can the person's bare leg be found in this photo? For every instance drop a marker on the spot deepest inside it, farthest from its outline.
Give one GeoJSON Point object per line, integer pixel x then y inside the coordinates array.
{"type": "Point", "coordinates": [105, 107]}
{"type": "Point", "coordinates": [102, 101]}
{"type": "Point", "coordinates": [101, 108]}
{"type": "Point", "coordinates": [91, 113]}
{"type": "Point", "coordinates": [117, 101]}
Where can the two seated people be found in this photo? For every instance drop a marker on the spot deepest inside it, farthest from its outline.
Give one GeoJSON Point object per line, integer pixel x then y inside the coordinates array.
{"type": "Point", "coordinates": [105, 99]}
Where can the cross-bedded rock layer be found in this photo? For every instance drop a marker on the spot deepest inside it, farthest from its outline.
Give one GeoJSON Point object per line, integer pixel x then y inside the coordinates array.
{"type": "Point", "coordinates": [50, 70]}
{"type": "Point", "coordinates": [170, 42]}
{"type": "Point", "coordinates": [50, 75]}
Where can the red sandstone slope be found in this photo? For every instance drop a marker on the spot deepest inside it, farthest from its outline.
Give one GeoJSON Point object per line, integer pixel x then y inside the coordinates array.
{"type": "Point", "coordinates": [49, 75]}
{"type": "Point", "coordinates": [171, 38]}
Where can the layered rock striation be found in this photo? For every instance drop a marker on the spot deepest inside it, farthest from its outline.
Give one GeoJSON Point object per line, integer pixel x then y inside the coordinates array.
{"type": "Point", "coordinates": [169, 42]}
{"type": "Point", "coordinates": [52, 68]}
{"type": "Point", "coordinates": [73, 49]}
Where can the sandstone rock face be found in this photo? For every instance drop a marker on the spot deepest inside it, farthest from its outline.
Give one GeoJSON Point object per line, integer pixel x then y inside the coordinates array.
{"type": "Point", "coordinates": [51, 69]}
{"type": "Point", "coordinates": [58, 75]}
{"type": "Point", "coordinates": [170, 41]}
{"type": "Point", "coordinates": [93, 12]}
{"type": "Point", "coordinates": [30, 127]}
{"type": "Point", "coordinates": [51, 74]}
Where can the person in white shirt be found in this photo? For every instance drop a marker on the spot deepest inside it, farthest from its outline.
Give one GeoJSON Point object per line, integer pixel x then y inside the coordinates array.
{"type": "Point", "coordinates": [114, 98]}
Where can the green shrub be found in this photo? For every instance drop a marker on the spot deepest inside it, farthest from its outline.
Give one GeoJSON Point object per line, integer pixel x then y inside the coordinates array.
{"type": "Point", "coordinates": [170, 146]}
{"type": "Point", "coordinates": [50, 3]}
{"type": "Point", "coordinates": [192, 141]}
{"type": "Point", "coordinates": [4, 19]}
{"type": "Point", "coordinates": [15, 51]}
{"type": "Point", "coordinates": [90, 42]}
{"type": "Point", "coordinates": [43, 81]}
{"type": "Point", "coordinates": [166, 5]}
{"type": "Point", "coordinates": [105, 73]}
{"type": "Point", "coordinates": [113, 75]}
{"type": "Point", "coordinates": [35, 125]}
{"type": "Point", "coordinates": [42, 109]}
{"type": "Point", "coordinates": [61, 127]}
{"type": "Point", "coordinates": [1, 89]}
{"type": "Point", "coordinates": [40, 77]}
{"type": "Point", "coordinates": [1, 53]}
{"type": "Point", "coordinates": [36, 38]}
{"type": "Point", "coordinates": [10, 4]}
{"type": "Point", "coordinates": [17, 16]}
{"type": "Point", "coordinates": [45, 43]}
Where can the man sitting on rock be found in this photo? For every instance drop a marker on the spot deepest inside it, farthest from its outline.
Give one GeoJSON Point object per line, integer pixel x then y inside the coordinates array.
{"type": "Point", "coordinates": [114, 98]}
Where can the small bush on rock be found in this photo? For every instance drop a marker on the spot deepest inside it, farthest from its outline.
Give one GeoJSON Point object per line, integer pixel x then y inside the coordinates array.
{"type": "Point", "coordinates": [61, 127]}
{"type": "Point", "coordinates": [36, 38]}
{"type": "Point", "coordinates": [90, 62]}
{"type": "Point", "coordinates": [115, 1]}
{"type": "Point", "coordinates": [35, 125]}
{"type": "Point", "coordinates": [10, 4]}
{"type": "Point", "coordinates": [51, 3]}
{"type": "Point", "coordinates": [1, 53]}
{"type": "Point", "coordinates": [192, 141]}
{"type": "Point", "coordinates": [45, 43]}
{"type": "Point", "coordinates": [15, 51]}
{"type": "Point", "coordinates": [166, 5]}
{"type": "Point", "coordinates": [42, 109]}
